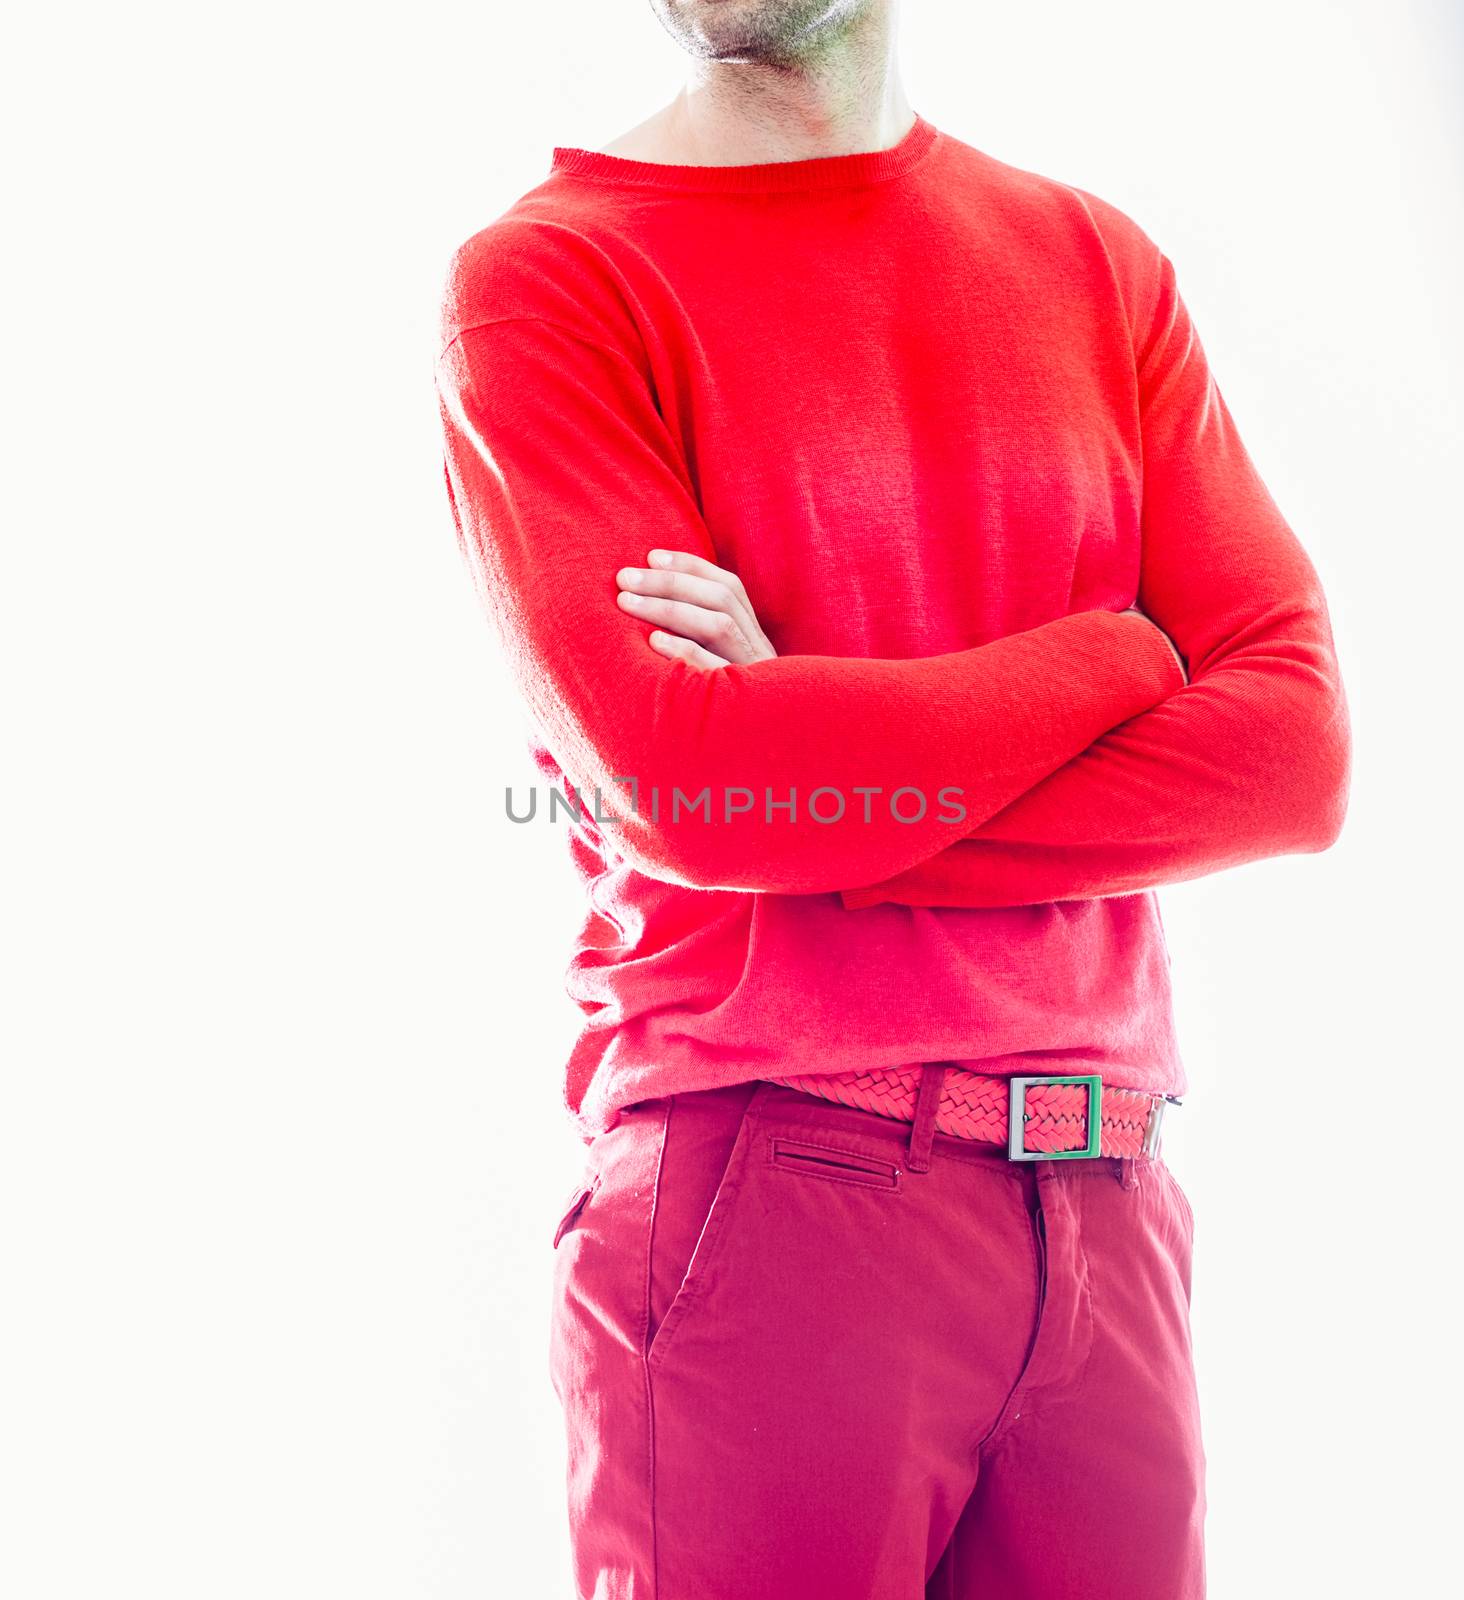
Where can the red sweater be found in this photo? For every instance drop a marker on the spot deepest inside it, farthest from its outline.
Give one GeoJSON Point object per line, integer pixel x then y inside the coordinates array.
{"type": "Point", "coordinates": [946, 419]}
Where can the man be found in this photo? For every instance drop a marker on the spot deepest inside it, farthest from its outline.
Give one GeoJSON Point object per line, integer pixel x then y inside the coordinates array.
{"type": "Point", "coordinates": [896, 599]}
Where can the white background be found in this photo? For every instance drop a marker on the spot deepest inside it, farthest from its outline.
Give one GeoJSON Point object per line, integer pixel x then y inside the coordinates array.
{"type": "Point", "coordinates": [282, 1144]}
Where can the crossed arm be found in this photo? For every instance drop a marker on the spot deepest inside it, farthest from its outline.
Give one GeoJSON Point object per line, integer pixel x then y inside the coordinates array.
{"type": "Point", "coordinates": [1086, 764]}
{"type": "Point", "coordinates": [1252, 758]}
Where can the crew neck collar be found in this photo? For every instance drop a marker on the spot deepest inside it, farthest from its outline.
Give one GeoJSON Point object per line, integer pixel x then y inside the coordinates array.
{"type": "Point", "coordinates": [815, 172]}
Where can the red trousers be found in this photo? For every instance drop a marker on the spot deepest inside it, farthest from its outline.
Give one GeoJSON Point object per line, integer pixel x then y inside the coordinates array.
{"type": "Point", "coordinates": [794, 1365]}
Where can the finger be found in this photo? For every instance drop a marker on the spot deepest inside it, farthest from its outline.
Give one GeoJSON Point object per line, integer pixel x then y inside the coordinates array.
{"type": "Point", "coordinates": [697, 566]}
{"type": "Point", "coordinates": [709, 592]}
{"type": "Point", "coordinates": [668, 644]}
{"type": "Point", "coordinates": [718, 631]}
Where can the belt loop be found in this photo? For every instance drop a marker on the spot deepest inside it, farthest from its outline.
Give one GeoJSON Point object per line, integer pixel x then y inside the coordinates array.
{"type": "Point", "coordinates": [927, 1105]}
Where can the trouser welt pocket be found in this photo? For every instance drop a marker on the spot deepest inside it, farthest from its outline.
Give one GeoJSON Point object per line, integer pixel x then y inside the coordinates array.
{"type": "Point", "coordinates": [827, 1161]}
{"type": "Point", "coordinates": [582, 1192]}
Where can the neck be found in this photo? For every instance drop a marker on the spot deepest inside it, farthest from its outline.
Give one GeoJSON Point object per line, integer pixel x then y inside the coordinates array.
{"type": "Point", "coordinates": [841, 96]}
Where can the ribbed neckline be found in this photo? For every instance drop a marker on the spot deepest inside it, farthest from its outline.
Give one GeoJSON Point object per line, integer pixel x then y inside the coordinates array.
{"type": "Point", "coordinates": [815, 172]}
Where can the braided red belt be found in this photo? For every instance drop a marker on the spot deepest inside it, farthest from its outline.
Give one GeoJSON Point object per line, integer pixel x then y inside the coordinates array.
{"type": "Point", "coordinates": [973, 1106]}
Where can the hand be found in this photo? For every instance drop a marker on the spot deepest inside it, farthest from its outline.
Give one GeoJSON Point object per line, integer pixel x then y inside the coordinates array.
{"type": "Point", "coordinates": [1133, 611]}
{"type": "Point", "coordinates": [707, 619]}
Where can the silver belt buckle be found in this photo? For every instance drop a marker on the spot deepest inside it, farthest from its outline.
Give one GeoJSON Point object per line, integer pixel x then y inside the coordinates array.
{"type": "Point", "coordinates": [1017, 1119]}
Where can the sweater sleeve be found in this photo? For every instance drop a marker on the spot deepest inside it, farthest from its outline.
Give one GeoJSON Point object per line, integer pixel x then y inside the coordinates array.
{"type": "Point", "coordinates": [1252, 758]}
{"type": "Point", "coordinates": [776, 775]}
